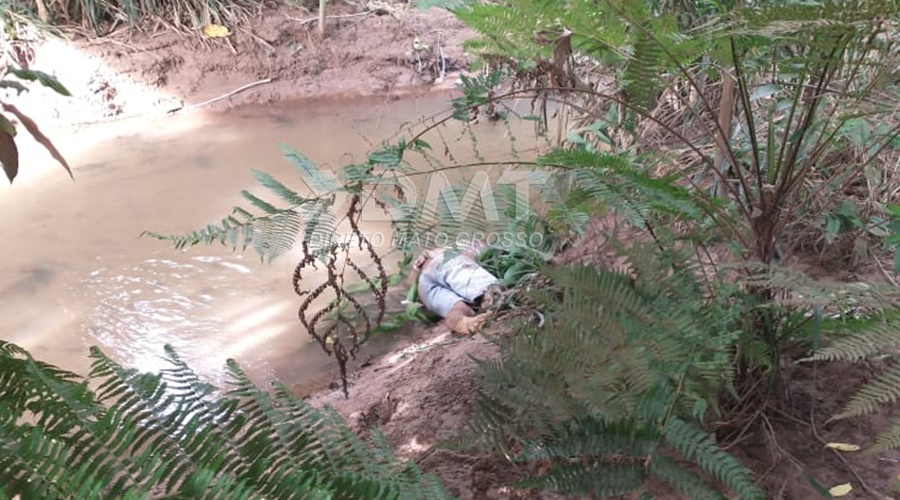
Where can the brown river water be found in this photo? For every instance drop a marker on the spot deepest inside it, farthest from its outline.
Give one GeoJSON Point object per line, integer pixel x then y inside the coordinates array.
{"type": "Point", "coordinates": [74, 272]}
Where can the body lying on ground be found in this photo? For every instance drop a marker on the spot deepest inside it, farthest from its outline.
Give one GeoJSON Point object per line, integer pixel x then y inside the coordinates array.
{"type": "Point", "coordinates": [451, 284]}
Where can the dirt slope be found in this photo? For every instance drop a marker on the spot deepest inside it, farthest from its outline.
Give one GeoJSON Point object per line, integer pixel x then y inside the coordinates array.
{"type": "Point", "coordinates": [421, 395]}
{"type": "Point", "coordinates": [277, 57]}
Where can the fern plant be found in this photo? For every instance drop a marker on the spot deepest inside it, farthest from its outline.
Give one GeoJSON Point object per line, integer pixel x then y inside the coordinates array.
{"type": "Point", "coordinates": [736, 123]}
{"type": "Point", "coordinates": [119, 433]}
{"type": "Point", "coordinates": [616, 387]}
{"type": "Point", "coordinates": [875, 336]}
{"type": "Point", "coordinates": [312, 222]}
{"type": "Point", "coordinates": [789, 79]}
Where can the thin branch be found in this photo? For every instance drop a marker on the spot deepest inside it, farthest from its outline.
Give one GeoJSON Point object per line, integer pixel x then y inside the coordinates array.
{"type": "Point", "coordinates": [223, 96]}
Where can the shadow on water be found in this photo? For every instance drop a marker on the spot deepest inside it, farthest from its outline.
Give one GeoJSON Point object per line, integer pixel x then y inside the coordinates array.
{"type": "Point", "coordinates": [76, 274]}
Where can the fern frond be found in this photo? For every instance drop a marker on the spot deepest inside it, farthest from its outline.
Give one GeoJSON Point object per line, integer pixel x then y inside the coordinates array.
{"type": "Point", "coordinates": [684, 480]}
{"type": "Point", "coordinates": [874, 395]}
{"type": "Point", "coordinates": [604, 478]}
{"type": "Point", "coordinates": [695, 445]}
{"type": "Point", "coordinates": [615, 181]}
{"type": "Point", "coordinates": [321, 184]}
{"type": "Point", "coordinates": [641, 76]}
{"type": "Point", "coordinates": [588, 437]}
{"type": "Point", "coordinates": [802, 22]}
{"type": "Point", "coordinates": [618, 357]}
{"type": "Point", "coordinates": [277, 235]}
{"type": "Point", "coordinates": [274, 231]}
{"type": "Point", "coordinates": [861, 339]}
{"type": "Point", "coordinates": [887, 440]}
{"type": "Point", "coordinates": [172, 433]}
{"type": "Point", "coordinates": [286, 194]}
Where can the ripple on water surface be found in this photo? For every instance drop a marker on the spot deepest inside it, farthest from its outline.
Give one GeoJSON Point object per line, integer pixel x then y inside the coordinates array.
{"type": "Point", "coordinates": [139, 309]}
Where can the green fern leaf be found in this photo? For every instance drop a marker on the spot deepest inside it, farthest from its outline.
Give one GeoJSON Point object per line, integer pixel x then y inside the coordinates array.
{"type": "Point", "coordinates": [874, 395]}
{"type": "Point", "coordinates": [683, 479]}
{"type": "Point", "coordinates": [611, 478]}
{"type": "Point", "coordinates": [641, 76]}
{"type": "Point", "coordinates": [887, 440]}
{"type": "Point", "coordinates": [287, 194]}
{"type": "Point", "coordinates": [171, 433]}
{"type": "Point", "coordinates": [869, 337]}
{"type": "Point", "coordinates": [695, 445]}
{"type": "Point", "coordinates": [260, 204]}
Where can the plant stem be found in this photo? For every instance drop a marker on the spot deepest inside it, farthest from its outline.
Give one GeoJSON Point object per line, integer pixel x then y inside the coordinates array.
{"type": "Point", "coordinates": [322, 18]}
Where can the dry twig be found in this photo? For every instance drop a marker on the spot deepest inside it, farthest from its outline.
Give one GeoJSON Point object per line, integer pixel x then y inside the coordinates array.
{"type": "Point", "coordinates": [223, 96]}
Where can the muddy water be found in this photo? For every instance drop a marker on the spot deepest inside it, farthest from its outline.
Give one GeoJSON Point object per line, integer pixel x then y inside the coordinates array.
{"type": "Point", "coordinates": [74, 272]}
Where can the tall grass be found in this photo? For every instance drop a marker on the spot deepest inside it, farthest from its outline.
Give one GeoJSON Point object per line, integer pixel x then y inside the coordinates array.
{"type": "Point", "coordinates": [103, 16]}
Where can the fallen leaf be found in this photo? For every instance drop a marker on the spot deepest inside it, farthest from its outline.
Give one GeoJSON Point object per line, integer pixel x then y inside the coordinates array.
{"type": "Point", "coordinates": [9, 155]}
{"type": "Point", "coordinates": [35, 132]}
{"type": "Point", "coordinates": [842, 446]}
{"type": "Point", "coordinates": [840, 490]}
{"type": "Point", "coordinates": [216, 31]}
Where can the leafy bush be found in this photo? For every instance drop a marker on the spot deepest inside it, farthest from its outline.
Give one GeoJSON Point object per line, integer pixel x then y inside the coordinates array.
{"type": "Point", "coordinates": [124, 434]}
{"type": "Point", "coordinates": [616, 386]}
{"type": "Point", "coordinates": [747, 127]}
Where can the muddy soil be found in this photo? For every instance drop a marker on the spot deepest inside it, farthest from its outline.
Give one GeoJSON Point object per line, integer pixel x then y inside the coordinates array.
{"type": "Point", "coordinates": [276, 57]}
{"type": "Point", "coordinates": [421, 395]}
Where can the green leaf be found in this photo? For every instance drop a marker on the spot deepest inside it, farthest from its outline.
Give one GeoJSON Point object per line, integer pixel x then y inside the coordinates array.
{"type": "Point", "coordinates": [389, 156]}
{"type": "Point", "coordinates": [7, 126]}
{"type": "Point", "coordinates": [321, 183]}
{"type": "Point", "coordinates": [696, 445]}
{"type": "Point", "coordinates": [44, 79]}
{"type": "Point", "coordinates": [285, 193]}
{"type": "Point", "coordinates": [832, 228]}
{"type": "Point", "coordinates": [259, 203]}
{"type": "Point", "coordinates": [174, 434]}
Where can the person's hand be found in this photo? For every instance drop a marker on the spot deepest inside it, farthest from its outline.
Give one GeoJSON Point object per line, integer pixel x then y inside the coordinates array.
{"type": "Point", "coordinates": [420, 262]}
{"type": "Point", "coordinates": [423, 259]}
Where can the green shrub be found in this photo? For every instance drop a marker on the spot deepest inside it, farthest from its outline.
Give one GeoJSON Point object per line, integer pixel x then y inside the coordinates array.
{"type": "Point", "coordinates": [119, 433]}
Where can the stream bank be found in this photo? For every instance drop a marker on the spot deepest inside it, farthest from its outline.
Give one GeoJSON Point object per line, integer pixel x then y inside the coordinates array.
{"type": "Point", "coordinates": [276, 57]}
{"type": "Point", "coordinates": [422, 392]}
